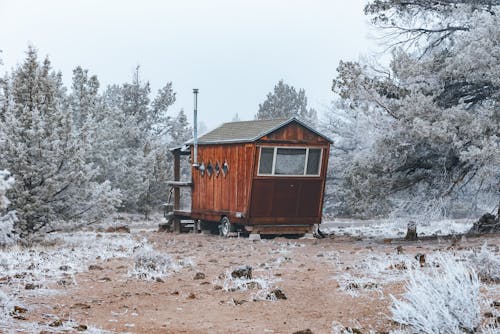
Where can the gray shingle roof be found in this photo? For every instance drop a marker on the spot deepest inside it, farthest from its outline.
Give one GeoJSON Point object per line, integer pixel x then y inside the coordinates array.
{"type": "Point", "coordinates": [247, 131]}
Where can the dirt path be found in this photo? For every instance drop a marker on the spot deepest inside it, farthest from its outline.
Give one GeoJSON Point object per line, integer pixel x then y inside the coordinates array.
{"type": "Point", "coordinates": [306, 271]}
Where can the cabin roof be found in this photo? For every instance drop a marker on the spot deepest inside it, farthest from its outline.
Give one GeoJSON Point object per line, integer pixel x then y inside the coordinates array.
{"type": "Point", "coordinates": [248, 131]}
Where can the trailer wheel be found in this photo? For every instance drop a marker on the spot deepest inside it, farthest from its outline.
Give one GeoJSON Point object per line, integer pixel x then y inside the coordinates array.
{"type": "Point", "coordinates": [226, 227]}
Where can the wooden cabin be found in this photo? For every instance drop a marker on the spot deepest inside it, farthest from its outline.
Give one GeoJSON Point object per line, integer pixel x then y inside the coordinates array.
{"type": "Point", "coordinates": [263, 176]}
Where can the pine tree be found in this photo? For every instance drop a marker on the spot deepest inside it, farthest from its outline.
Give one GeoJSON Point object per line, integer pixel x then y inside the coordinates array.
{"type": "Point", "coordinates": [84, 97]}
{"type": "Point", "coordinates": [7, 218]}
{"type": "Point", "coordinates": [286, 102]}
{"type": "Point", "coordinates": [52, 179]}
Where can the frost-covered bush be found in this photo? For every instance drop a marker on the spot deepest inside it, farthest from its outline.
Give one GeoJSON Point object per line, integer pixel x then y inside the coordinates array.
{"type": "Point", "coordinates": [262, 287]}
{"type": "Point", "coordinates": [486, 263]}
{"type": "Point", "coordinates": [490, 330]}
{"type": "Point", "coordinates": [6, 220]}
{"type": "Point", "coordinates": [6, 306]}
{"type": "Point", "coordinates": [444, 300]}
{"type": "Point", "coordinates": [338, 328]}
{"type": "Point", "coordinates": [373, 272]}
{"type": "Point", "coordinates": [63, 254]}
{"type": "Point", "coordinates": [151, 264]}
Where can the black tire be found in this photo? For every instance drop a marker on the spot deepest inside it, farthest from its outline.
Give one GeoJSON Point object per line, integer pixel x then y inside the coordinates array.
{"type": "Point", "coordinates": [226, 227]}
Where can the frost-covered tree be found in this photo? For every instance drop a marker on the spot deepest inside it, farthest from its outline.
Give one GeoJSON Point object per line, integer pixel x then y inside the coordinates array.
{"type": "Point", "coordinates": [179, 130]}
{"type": "Point", "coordinates": [120, 149]}
{"type": "Point", "coordinates": [353, 134]}
{"type": "Point", "coordinates": [84, 97]}
{"type": "Point", "coordinates": [7, 218]}
{"type": "Point", "coordinates": [52, 180]}
{"type": "Point", "coordinates": [158, 115]}
{"type": "Point", "coordinates": [285, 102]}
{"type": "Point", "coordinates": [132, 137]}
{"type": "Point", "coordinates": [440, 98]}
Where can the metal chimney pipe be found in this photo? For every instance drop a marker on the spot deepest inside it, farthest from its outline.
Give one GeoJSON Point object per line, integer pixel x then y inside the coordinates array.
{"type": "Point", "coordinates": [195, 128]}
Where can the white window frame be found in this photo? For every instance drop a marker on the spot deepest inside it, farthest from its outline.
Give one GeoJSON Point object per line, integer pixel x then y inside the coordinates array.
{"type": "Point", "coordinates": [275, 153]}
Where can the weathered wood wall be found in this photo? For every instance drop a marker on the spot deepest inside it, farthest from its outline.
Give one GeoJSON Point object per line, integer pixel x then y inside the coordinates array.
{"type": "Point", "coordinates": [294, 134]}
{"type": "Point", "coordinates": [213, 196]}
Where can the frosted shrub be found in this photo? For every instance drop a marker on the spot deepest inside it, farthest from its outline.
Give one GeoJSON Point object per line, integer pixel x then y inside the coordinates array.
{"type": "Point", "coordinates": [373, 272]}
{"type": "Point", "coordinates": [338, 328]}
{"type": "Point", "coordinates": [72, 251]}
{"type": "Point", "coordinates": [490, 330]}
{"type": "Point", "coordinates": [262, 287]}
{"type": "Point", "coordinates": [150, 264]}
{"type": "Point", "coordinates": [6, 305]}
{"type": "Point", "coordinates": [486, 263]}
{"type": "Point", "coordinates": [4, 301]}
{"type": "Point", "coordinates": [445, 300]}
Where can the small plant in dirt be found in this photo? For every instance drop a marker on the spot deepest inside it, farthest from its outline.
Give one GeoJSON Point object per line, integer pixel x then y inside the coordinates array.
{"type": "Point", "coordinates": [486, 263]}
{"type": "Point", "coordinates": [151, 264]}
{"type": "Point", "coordinates": [5, 306]}
{"type": "Point", "coordinates": [243, 279]}
{"type": "Point", "coordinates": [443, 300]}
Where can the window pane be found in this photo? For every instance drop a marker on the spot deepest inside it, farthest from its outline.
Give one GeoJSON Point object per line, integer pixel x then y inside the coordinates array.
{"type": "Point", "coordinates": [290, 161]}
{"type": "Point", "coordinates": [266, 160]}
{"type": "Point", "coordinates": [313, 161]}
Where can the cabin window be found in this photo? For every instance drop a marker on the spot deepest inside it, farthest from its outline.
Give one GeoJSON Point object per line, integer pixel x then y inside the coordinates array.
{"type": "Point", "coordinates": [266, 160]}
{"type": "Point", "coordinates": [313, 161]}
{"type": "Point", "coordinates": [288, 161]}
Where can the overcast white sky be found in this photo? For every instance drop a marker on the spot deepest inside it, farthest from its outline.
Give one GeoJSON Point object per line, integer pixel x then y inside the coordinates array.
{"type": "Point", "coordinates": [234, 51]}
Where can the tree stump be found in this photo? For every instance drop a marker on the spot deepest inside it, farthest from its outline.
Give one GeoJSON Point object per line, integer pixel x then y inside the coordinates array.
{"type": "Point", "coordinates": [411, 233]}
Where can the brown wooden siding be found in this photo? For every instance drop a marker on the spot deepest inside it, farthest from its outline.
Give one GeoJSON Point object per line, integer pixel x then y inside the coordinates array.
{"type": "Point", "coordinates": [220, 195]}
{"type": "Point", "coordinates": [294, 134]}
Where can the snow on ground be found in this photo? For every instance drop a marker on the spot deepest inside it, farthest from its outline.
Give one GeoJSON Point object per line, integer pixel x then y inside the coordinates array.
{"type": "Point", "coordinates": [394, 228]}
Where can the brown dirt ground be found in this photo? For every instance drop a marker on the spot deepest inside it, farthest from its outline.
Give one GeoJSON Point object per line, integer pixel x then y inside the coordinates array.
{"type": "Point", "coordinates": [182, 304]}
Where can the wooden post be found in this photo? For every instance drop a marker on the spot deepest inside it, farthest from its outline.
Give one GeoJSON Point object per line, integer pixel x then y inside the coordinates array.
{"type": "Point", "coordinates": [196, 224]}
{"type": "Point", "coordinates": [177, 177]}
{"type": "Point", "coordinates": [177, 225]}
{"type": "Point", "coordinates": [411, 233]}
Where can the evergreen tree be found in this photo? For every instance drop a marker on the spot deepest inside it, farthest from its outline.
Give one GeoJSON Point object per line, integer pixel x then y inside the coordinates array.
{"type": "Point", "coordinates": [159, 118]}
{"type": "Point", "coordinates": [137, 161]}
{"type": "Point", "coordinates": [178, 129]}
{"type": "Point", "coordinates": [120, 153]}
{"type": "Point", "coordinates": [84, 96]}
{"type": "Point", "coordinates": [52, 180]}
{"type": "Point", "coordinates": [7, 218]}
{"type": "Point", "coordinates": [286, 102]}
